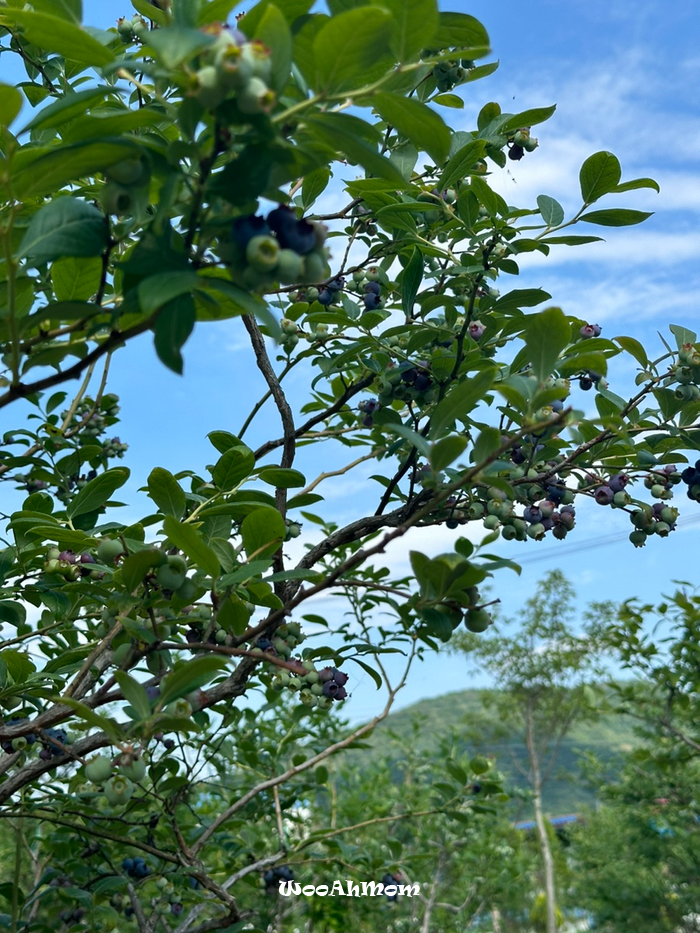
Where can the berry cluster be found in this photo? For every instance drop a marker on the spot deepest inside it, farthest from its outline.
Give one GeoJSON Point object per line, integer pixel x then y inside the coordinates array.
{"type": "Point", "coordinates": [520, 143]}
{"type": "Point", "coordinates": [114, 447]}
{"type": "Point", "coordinates": [407, 381]}
{"type": "Point", "coordinates": [136, 868]}
{"type": "Point", "coordinates": [447, 75]}
{"type": "Point", "coordinates": [90, 418]}
{"type": "Point", "coordinates": [22, 741]}
{"type": "Point", "coordinates": [316, 688]}
{"type": "Point", "coordinates": [691, 477]}
{"type": "Point", "coordinates": [368, 281]}
{"type": "Point", "coordinates": [391, 881]}
{"type": "Point", "coordinates": [70, 565]}
{"type": "Point", "coordinates": [687, 374]}
{"type": "Point", "coordinates": [280, 248]}
{"type": "Point", "coordinates": [234, 67]}
{"type": "Point", "coordinates": [273, 876]}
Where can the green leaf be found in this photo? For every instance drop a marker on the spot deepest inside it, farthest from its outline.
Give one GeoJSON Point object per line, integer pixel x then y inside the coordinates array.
{"type": "Point", "coordinates": [281, 477]}
{"type": "Point", "coordinates": [274, 32]}
{"type": "Point", "coordinates": [188, 677]}
{"type": "Point", "coordinates": [572, 240]}
{"type": "Point", "coordinates": [487, 442]}
{"type": "Point", "coordinates": [352, 49]}
{"type": "Point", "coordinates": [616, 217]}
{"type": "Point", "coordinates": [635, 349]}
{"type": "Point", "coordinates": [19, 665]}
{"type": "Point", "coordinates": [97, 492]}
{"type": "Point", "coordinates": [599, 175]}
{"type": "Point", "coordinates": [315, 183]}
{"type": "Point", "coordinates": [235, 465]}
{"type": "Point", "coordinates": [636, 183]}
{"type": "Point", "coordinates": [177, 44]}
{"type": "Point", "coordinates": [411, 278]}
{"type": "Point", "coordinates": [551, 210]}
{"type": "Point", "coordinates": [54, 34]}
{"type": "Point", "coordinates": [546, 335]}
{"type": "Point", "coordinates": [413, 119]}
{"type": "Point", "coordinates": [134, 693]}
{"type": "Point", "coordinates": [13, 613]}
{"type": "Point", "coordinates": [682, 334]}
{"type": "Point", "coordinates": [76, 278]}
{"type": "Point", "coordinates": [446, 451]}
{"type": "Point", "coordinates": [134, 568]}
{"type": "Point", "coordinates": [463, 32]}
{"type": "Point", "coordinates": [190, 541]}
{"type": "Point", "coordinates": [448, 100]}
{"type": "Point", "coordinates": [64, 227]}
{"type": "Point", "coordinates": [66, 108]}
{"type": "Point", "coordinates": [521, 298]}
{"type": "Point", "coordinates": [416, 439]}
{"type": "Point", "coordinates": [263, 531]}
{"type": "Point", "coordinates": [414, 23]}
{"type": "Point", "coordinates": [493, 202]}
{"type": "Point", "coordinates": [10, 103]}
{"type": "Point", "coordinates": [157, 290]}
{"type": "Point", "coordinates": [224, 440]}
{"type": "Point", "coordinates": [461, 162]}
{"type": "Point", "coordinates": [341, 132]}
{"type": "Point", "coordinates": [216, 11]}
{"type": "Point", "coordinates": [527, 118]}
{"type": "Point", "coordinates": [39, 172]}
{"type": "Point", "coordinates": [173, 326]}
{"type": "Point", "coordinates": [375, 675]}
{"type": "Point", "coordinates": [146, 8]}
{"type": "Point", "coordinates": [166, 492]}
{"type": "Point", "coordinates": [460, 401]}
{"type": "Point", "coordinates": [103, 723]}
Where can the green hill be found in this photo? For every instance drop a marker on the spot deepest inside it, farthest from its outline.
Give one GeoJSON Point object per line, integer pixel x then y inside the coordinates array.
{"type": "Point", "coordinates": [466, 719]}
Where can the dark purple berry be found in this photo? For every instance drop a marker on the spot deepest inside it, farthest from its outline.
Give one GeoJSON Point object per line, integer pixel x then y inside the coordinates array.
{"type": "Point", "coordinates": [618, 482]}
{"type": "Point", "coordinates": [245, 228]}
{"type": "Point", "coordinates": [532, 514]}
{"type": "Point", "coordinates": [330, 688]}
{"type": "Point", "coordinates": [374, 287]}
{"type": "Point", "coordinates": [604, 495]}
{"type": "Point", "coordinates": [325, 297]}
{"type": "Point", "coordinates": [340, 677]}
{"type": "Point", "coordinates": [371, 301]}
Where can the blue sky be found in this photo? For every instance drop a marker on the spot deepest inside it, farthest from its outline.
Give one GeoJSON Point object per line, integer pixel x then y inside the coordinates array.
{"type": "Point", "coordinates": [624, 76]}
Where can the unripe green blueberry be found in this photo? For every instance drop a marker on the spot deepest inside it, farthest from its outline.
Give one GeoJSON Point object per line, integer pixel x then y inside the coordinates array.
{"type": "Point", "coordinates": [621, 499]}
{"type": "Point", "coordinates": [641, 518]}
{"type": "Point", "coordinates": [658, 491]}
{"type": "Point", "coordinates": [257, 55]}
{"type": "Point", "coordinates": [295, 683]}
{"type": "Point", "coordinates": [180, 708]}
{"type": "Point", "coordinates": [98, 769]}
{"type": "Point", "coordinates": [317, 689]}
{"type": "Point", "coordinates": [509, 533]}
{"type": "Point", "coordinates": [122, 654]}
{"type": "Point", "coordinates": [315, 269]}
{"type": "Point", "coordinates": [186, 591]}
{"type": "Point", "coordinates": [235, 69]}
{"type": "Point", "coordinates": [491, 522]}
{"type": "Point", "coordinates": [262, 252]}
{"type": "Point", "coordinates": [476, 510]}
{"type": "Point", "coordinates": [531, 144]}
{"type": "Point", "coordinates": [663, 529]}
{"type": "Point", "coordinates": [536, 531]}
{"type": "Point", "coordinates": [289, 266]}
{"type": "Point", "coordinates": [477, 620]}
{"type": "Point", "coordinates": [307, 698]}
{"type": "Point", "coordinates": [324, 702]}
{"type": "Point", "coordinates": [669, 515]}
{"type": "Point", "coordinates": [128, 172]}
{"type": "Point", "coordinates": [118, 790]}
{"type": "Point", "coordinates": [132, 766]}
{"type": "Point", "coordinates": [256, 97]}
{"type": "Point", "coordinates": [108, 550]}
{"type": "Point", "coordinates": [170, 577]}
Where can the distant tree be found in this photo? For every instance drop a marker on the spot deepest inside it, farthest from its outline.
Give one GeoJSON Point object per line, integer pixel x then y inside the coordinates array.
{"type": "Point", "coordinates": [636, 861]}
{"type": "Point", "coordinates": [542, 672]}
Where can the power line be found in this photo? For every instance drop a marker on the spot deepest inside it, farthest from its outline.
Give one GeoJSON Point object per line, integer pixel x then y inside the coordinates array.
{"type": "Point", "coordinates": [554, 553]}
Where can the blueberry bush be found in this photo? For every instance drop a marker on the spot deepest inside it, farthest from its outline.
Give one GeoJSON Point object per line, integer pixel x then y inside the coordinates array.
{"type": "Point", "coordinates": [161, 720]}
